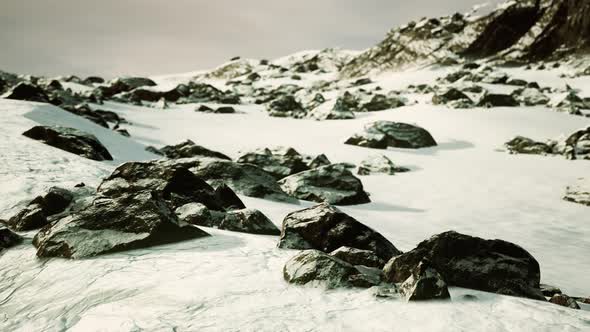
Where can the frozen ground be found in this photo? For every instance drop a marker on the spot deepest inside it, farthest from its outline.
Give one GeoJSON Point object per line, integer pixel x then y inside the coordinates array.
{"type": "Point", "coordinates": [233, 281]}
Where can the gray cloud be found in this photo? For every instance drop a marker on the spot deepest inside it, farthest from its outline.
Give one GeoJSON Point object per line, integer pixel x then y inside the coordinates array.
{"type": "Point", "coordinates": [114, 37]}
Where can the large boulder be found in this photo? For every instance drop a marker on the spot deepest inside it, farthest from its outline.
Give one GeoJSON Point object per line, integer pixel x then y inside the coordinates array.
{"type": "Point", "coordinates": [579, 192]}
{"type": "Point", "coordinates": [8, 238]}
{"type": "Point", "coordinates": [189, 149]}
{"type": "Point", "coordinates": [35, 214]}
{"type": "Point", "coordinates": [333, 184]}
{"type": "Point", "coordinates": [280, 162]}
{"type": "Point", "coordinates": [471, 262]}
{"type": "Point", "coordinates": [525, 145]}
{"type": "Point", "coordinates": [246, 179]}
{"type": "Point", "coordinates": [383, 134]}
{"type": "Point", "coordinates": [28, 92]}
{"type": "Point", "coordinates": [316, 266]}
{"type": "Point", "coordinates": [286, 106]}
{"type": "Point", "coordinates": [356, 256]}
{"type": "Point", "coordinates": [326, 228]}
{"type": "Point", "coordinates": [425, 283]}
{"type": "Point", "coordinates": [108, 225]}
{"type": "Point", "coordinates": [498, 100]}
{"type": "Point", "coordinates": [70, 140]}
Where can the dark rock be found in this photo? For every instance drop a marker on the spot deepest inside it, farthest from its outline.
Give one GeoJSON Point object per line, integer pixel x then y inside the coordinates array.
{"type": "Point", "coordinates": [247, 179]}
{"type": "Point", "coordinates": [29, 218]}
{"type": "Point", "coordinates": [278, 162]}
{"type": "Point", "coordinates": [333, 184]}
{"type": "Point", "coordinates": [383, 134]}
{"type": "Point", "coordinates": [356, 256]}
{"type": "Point", "coordinates": [549, 290]}
{"type": "Point", "coordinates": [324, 227]}
{"type": "Point", "coordinates": [577, 144]}
{"type": "Point", "coordinates": [425, 283]}
{"type": "Point", "coordinates": [248, 221]}
{"type": "Point", "coordinates": [123, 132]}
{"type": "Point", "coordinates": [108, 225]}
{"type": "Point", "coordinates": [28, 92]}
{"type": "Point", "coordinates": [317, 161]}
{"type": "Point", "coordinates": [498, 100]}
{"type": "Point", "coordinates": [154, 150]}
{"type": "Point", "coordinates": [579, 193]}
{"type": "Point", "coordinates": [90, 80]}
{"type": "Point", "coordinates": [525, 145]}
{"type": "Point", "coordinates": [286, 106]}
{"type": "Point", "coordinates": [471, 262]}
{"type": "Point", "coordinates": [71, 140]}
{"type": "Point", "coordinates": [564, 301]}
{"type": "Point", "coordinates": [189, 149]}
{"type": "Point", "coordinates": [110, 116]}
{"type": "Point", "coordinates": [8, 238]}
{"type": "Point", "coordinates": [228, 198]}
{"type": "Point", "coordinates": [314, 265]}
{"type": "Point", "coordinates": [381, 102]}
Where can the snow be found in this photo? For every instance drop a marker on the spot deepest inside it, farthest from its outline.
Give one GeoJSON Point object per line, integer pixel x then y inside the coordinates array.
{"type": "Point", "coordinates": [234, 282]}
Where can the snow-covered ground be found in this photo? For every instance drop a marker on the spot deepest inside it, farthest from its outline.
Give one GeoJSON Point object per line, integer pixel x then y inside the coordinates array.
{"type": "Point", "coordinates": [233, 281]}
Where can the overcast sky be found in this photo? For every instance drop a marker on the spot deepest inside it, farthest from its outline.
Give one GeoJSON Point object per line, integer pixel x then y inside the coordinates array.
{"type": "Point", "coordinates": [146, 37]}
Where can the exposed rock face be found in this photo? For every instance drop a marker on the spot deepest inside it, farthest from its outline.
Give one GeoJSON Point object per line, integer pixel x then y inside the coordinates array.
{"type": "Point", "coordinates": [28, 92]}
{"type": "Point", "coordinates": [324, 227]}
{"type": "Point", "coordinates": [383, 134]}
{"type": "Point", "coordinates": [379, 164]}
{"type": "Point", "coordinates": [113, 224]}
{"type": "Point", "coordinates": [579, 192]}
{"type": "Point", "coordinates": [8, 238]}
{"type": "Point", "coordinates": [564, 301]}
{"type": "Point", "coordinates": [247, 179]}
{"type": "Point", "coordinates": [498, 100]}
{"type": "Point", "coordinates": [314, 265]}
{"type": "Point", "coordinates": [248, 221]}
{"type": "Point", "coordinates": [286, 106]}
{"type": "Point", "coordinates": [71, 140]}
{"type": "Point", "coordinates": [526, 145]}
{"type": "Point", "coordinates": [188, 149]}
{"type": "Point", "coordinates": [425, 283]}
{"type": "Point", "coordinates": [333, 184]}
{"type": "Point", "coordinates": [175, 182]}
{"type": "Point", "coordinates": [356, 256]}
{"type": "Point", "coordinates": [279, 162]}
{"type": "Point", "coordinates": [35, 215]}
{"type": "Point", "coordinates": [465, 261]}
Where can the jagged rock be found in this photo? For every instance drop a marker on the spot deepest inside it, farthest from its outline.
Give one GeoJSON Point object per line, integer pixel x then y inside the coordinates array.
{"type": "Point", "coordinates": [278, 162]}
{"type": "Point", "coordinates": [247, 179]}
{"type": "Point", "coordinates": [124, 84]}
{"type": "Point", "coordinates": [109, 116]}
{"type": "Point", "coordinates": [198, 214]}
{"type": "Point", "coordinates": [336, 111]}
{"type": "Point", "coordinates": [425, 283]}
{"type": "Point", "coordinates": [579, 192]}
{"type": "Point", "coordinates": [383, 134]}
{"type": "Point", "coordinates": [498, 100]}
{"type": "Point", "coordinates": [525, 145]}
{"type": "Point", "coordinates": [176, 184]}
{"type": "Point", "coordinates": [381, 102]}
{"type": "Point", "coordinates": [286, 106]}
{"type": "Point", "coordinates": [70, 140]}
{"type": "Point", "coordinates": [228, 198]}
{"type": "Point", "coordinates": [564, 301]}
{"type": "Point", "coordinates": [531, 97]}
{"type": "Point", "coordinates": [29, 218]}
{"type": "Point", "coordinates": [549, 290]}
{"type": "Point", "coordinates": [314, 265]}
{"type": "Point", "coordinates": [188, 149]}
{"type": "Point", "coordinates": [8, 238]}
{"type": "Point", "coordinates": [471, 262]}
{"type": "Point", "coordinates": [28, 92]}
{"type": "Point", "coordinates": [154, 150]}
{"type": "Point", "coordinates": [577, 145]}
{"type": "Point", "coordinates": [333, 184]}
{"type": "Point", "coordinates": [136, 82]}
{"type": "Point", "coordinates": [206, 93]}
{"type": "Point", "coordinates": [123, 132]}
{"type": "Point", "coordinates": [248, 221]}
{"type": "Point", "coordinates": [108, 225]}
{"type": "Point", "coordinates": [91, 80]}
{"type": "Point", "coordinates": [317, 161]}
{"type": "Point", "coordinates": [324, 227]}
{"type": "Point", "coordinates": [378, 164]}
{"type": "Point", "coordinates": [356, 256]}
{"type": "Point", "coordinates": [448, 95]}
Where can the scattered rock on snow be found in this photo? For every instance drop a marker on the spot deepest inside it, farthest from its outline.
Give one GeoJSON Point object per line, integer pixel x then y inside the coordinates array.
{"type": "Point", "coordinates": [471, 262]}
{"type": "Point", "coordinates": [280, 162]}
{"type": "Point", "coordinates": [383, 134]}
{"type": "Point", "coordinates": [28, 92]}
{"type": "Point", "coordinates": [498, 100]}
{"type": "Point", "coordinates": [525, 145]}
{"type": "Point", "coordinates": [286, 106]}
{"type": "Point", "coordinates": [356, 256]}
{"type": "Point", "coordinates": [579, 192]}
{"type": "Point", "coordinates": [35, 214]}
{"type": "Point", "coordinates": [425, 283]}
{"type": "Point", "coordinates": [248, 221]}
{"type": "Point", "coordinates": [70, 140]}
{"type": "Point", "coordinates": [326, 228]}
{"type": "Point", "coordinates": [378, 164]}
{"type": "Point", "coordinates": [8, 238]}
{"type": "Point", "coordinates": [564, 301]}
{"type": "Point", "coordinates": [333, 184]}
{"type": "Point", "coordinates": [188, 149]}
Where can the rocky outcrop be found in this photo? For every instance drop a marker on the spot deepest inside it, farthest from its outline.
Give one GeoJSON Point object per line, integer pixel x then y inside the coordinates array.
{"type": "Point", "coordinates": [70, 140]}
{"type": "Point", "coordinates": [325, 228]}
{"type": "Point", "coordinates": [108, 225]}
{"type": "Point", "coordinates": [242, 220]}
{"type": "Point", "coordinates": [286, 106]}
{"type": "Point", "coordinates": [333, 184]}
{"type": "Point", "coordinates": [8, 238]}
{"type": "Point", "coordinates": [35, 214]}
{"type": "Point", "coordinates": [188, 149]}
{"type": "Point", "coordinates": [279, 162]}
{"type": "Point", "coordinates": [379, 164]}
{"type": "Point", "coordinates": [28, 92]}
{"type": "Point", "coordinates": [384, 134]}
{"type": "Point", "coordinates": [471, 262]}
{"type": "Point", "coordinates": [425, 283]}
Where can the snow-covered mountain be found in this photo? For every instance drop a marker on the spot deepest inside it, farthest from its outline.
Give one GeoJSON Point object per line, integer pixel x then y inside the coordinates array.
{"type": "Point", "coordinates": [206, 201]}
